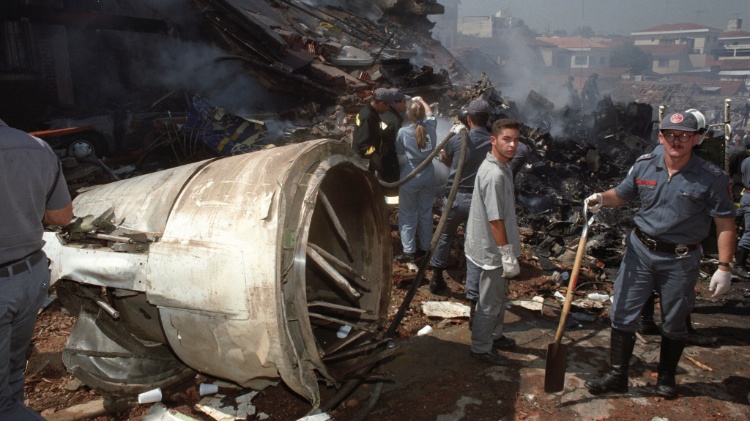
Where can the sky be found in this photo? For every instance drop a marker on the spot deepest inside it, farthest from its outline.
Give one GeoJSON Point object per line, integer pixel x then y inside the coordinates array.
{"type": "Point", "coordinates": [612, 16]}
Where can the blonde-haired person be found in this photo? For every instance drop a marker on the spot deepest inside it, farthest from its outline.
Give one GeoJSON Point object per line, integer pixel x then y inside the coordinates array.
{"type": "Point", "coordinates": [414, 143]}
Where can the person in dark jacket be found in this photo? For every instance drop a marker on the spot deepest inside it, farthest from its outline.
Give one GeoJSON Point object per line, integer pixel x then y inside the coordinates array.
{"type": "Point", "coordinates": [368, 133]}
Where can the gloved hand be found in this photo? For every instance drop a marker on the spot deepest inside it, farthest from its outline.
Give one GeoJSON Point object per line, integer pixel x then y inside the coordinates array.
{"type": "Point", "coordinates": [456, 129]}
{"type": "Point", "coordinates": [721, 281]}
{"type": "Point", "coordinates": [416, 99]}
{"type": "Point", "coordinates": [511, 269]}
{"type": "Point", "coordinates": [594, 202]}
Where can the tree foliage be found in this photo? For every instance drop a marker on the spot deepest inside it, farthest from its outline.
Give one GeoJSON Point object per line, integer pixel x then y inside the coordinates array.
{"type": "Point", "coordinates": [631, 56]}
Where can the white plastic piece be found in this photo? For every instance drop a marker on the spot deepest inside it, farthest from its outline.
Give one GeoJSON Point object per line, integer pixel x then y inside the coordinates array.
{"type": "Point", "coordinates": [208, 389]}
{"type": "Point", "coordinates": [425, 330]}
{"type": "Point", "coordinates": [343, 331]}
{"type": "Point", "coordinates": [599, 297]}
{"type": "Point", "coordinates": [150, 396]}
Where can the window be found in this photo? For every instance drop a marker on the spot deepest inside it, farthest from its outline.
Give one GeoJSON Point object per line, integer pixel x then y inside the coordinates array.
{"type": "Point", "coordinates": [580, 60]}
{"type": "Point", "coordinates": [663, 62]}
{"type": "Point", "coordinates": [15, 47]}
{"type": "Point", "coordinates": [602, 61]}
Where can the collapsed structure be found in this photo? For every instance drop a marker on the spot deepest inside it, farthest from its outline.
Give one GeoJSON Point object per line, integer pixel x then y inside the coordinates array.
{"type": "Point", "coordinates": [246, 268]}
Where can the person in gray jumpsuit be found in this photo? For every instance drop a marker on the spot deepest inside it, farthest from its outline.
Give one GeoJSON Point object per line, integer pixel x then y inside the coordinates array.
{"type": "Point", "coordinates": [493, 242]}
{"type": "Point", "coordinates": [33, 193]}
{"type": "Point", "coordinates": [414, 143]}
{"type": "Point", "coordinates": [679, 194]}
{"type": "Point", "coordinates": [479, 145]}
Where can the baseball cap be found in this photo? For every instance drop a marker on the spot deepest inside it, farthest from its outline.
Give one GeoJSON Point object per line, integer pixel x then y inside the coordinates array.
{"type": "Point", "coordinates": [478, 106]}
{"type": "Point", "coordinates": [397, 95]}
{"type": "Point", "coordinates": [683, 121]}
{"type": "Point", "coordinates": [382, 94]}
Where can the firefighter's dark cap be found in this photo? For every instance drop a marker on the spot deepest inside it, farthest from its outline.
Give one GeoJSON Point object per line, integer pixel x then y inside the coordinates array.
{"type": "Point", "coordinates": [382, 94]}
{"type": "Point", "coordinates": [478, 106]}
{"type": "Point", "coordinates": [684, 121]}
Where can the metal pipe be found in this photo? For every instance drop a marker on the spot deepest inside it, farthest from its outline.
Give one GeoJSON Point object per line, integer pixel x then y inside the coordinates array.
{"type": "Point", "coordinates": [342, 322]}
{"type": "Point", "coordinates": [335, 220]}
{"type": "Point", "coordinates": [727, 131]}
{"type": "Point", "coordinates": [338, 279]}
{"type": "Point", "coordinates": [115, 238]}
{"type": "Point", "coordinates": [101, 303]}
{"type": "Point", "coordinates": [348, 270]}
{"type": "Point", "coordinates": [337, 307]}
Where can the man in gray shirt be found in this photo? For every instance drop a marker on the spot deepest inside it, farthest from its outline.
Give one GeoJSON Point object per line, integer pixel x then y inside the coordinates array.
{"type": "Point", "coordinates": [493, 242]}
{"type": "Point", "coordinates": [34, 193]}
{"type": "Point", "coordinates": [479, 145]}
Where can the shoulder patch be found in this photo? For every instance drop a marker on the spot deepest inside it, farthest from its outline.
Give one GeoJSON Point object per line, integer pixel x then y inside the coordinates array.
{"type": "Point", "coordinates": [712, 168]}
{"type": "Point", "coordinates": [645, 156]}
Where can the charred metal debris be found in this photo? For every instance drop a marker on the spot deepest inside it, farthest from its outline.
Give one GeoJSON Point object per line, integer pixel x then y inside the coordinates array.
{"type": "Point", "coordinates": [273, 251]}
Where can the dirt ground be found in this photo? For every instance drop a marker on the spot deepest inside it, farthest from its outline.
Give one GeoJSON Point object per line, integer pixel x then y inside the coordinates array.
{"type": "Point", "coordinates": [432, 376]}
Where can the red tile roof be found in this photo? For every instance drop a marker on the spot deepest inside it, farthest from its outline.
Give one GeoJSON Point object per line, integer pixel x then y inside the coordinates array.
{"type": "Point", "coordinates": [735, 64]}
{"type": "Point", "coordinates": [734, 34]}
{"type": "Point", "coordinates": [670, 27]}
{"type": "Point", "coordinates": [573, 42]}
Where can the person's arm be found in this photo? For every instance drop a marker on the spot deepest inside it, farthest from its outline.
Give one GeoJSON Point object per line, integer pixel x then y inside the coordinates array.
{"type": "Point", "coordinates": [498, 232]}
{"type": "Point", "coordinates": [427, 109]}
{"type": "Point", "coordinates": [608, 198]}
{"type": "Point", "coordinates": [725, 240]}
{"type": "Point", "coordinates": [59, 217]}
{"type": "Point", "coordinates": [448, 161]}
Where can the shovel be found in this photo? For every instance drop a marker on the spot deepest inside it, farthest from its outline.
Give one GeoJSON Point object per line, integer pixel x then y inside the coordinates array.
{"type": "Point", "coordinates": [557, 353]}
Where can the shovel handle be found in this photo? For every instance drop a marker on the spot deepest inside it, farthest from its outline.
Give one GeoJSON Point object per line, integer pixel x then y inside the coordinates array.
{"type": "Point", "coordinates": [573, 278]}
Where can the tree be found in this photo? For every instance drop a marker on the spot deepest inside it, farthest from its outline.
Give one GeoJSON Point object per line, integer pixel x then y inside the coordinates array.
{"type": "Point", "coordinates": [629, 55]}
{"type": "Point", "coordinates": [585, 32]}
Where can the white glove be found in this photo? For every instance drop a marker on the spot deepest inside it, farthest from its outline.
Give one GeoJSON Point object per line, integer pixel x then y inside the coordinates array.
{"type": "Point", "coordinates": [595, 202]}
{"type": "Point", "coordinates": [416, 99]}
{"type": "Point", "coordinates": [721, 282]}
{"type": "Point", "coordinates": [456, 129]}
{"type": "Point", "coordinates": [511, 269]}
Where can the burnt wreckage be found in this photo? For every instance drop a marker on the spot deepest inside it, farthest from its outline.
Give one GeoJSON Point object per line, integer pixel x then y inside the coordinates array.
{"type": "Point", "coordinates": [250, 267]}
{"type": "Point", "coordinates": [328, 51]}
{"type": "Point", "coordinates": [247, 267]}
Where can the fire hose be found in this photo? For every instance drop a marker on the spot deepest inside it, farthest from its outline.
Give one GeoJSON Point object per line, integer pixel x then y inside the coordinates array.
{"type": "Point", "coordinates": [348, 387]}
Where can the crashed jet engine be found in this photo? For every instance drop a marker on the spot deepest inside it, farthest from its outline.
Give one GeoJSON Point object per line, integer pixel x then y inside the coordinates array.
{"type": "Point", "coordinates": [244, 268]}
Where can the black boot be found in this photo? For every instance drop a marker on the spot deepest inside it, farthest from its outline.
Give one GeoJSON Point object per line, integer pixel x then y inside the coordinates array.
{"type": "Point", "coordinates": [671, 351]}
{"type": "Point", "coordinates": [437, 283]}
{"type": "Point", "coordinates": [740, 257]}
{"type": "Point", "coordinates": [646, 324]}
{"type": "Point", "coordinates": [695, 338]}
{"type": "Point", "coordinates": [620, 350]}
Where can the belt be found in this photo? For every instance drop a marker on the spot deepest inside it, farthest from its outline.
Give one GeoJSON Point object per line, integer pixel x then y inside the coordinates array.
{"type": "Point", "coordinates": [21, 265]}
{"type": "Point", "coordinates": [654, 244]}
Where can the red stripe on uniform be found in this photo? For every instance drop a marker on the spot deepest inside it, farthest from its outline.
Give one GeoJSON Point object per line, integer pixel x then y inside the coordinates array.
{"type": "Point", "coordinates": [646, 182]}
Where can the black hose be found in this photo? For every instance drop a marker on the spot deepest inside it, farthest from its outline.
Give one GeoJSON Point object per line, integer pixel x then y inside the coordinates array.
{"type": "Point", "coordinates": [348, 387]}
{"type": "Point", "coordinates": [420, 167]}
{"type": "Point", "coordinates": [439, 230]}
{"type": "Point", "coordinates": [374, 396]}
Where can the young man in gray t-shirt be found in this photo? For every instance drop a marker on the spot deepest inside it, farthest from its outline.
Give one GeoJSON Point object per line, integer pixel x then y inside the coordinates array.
{"type": "Point", "coordinates": [493, 242]}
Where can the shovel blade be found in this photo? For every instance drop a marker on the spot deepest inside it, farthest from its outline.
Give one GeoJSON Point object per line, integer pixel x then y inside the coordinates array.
{"type": "Point", "coordinates": [554, 372]}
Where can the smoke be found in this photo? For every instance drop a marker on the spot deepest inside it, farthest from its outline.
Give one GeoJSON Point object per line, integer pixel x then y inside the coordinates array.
{"type": "Point", "coordinates": [121, 67]}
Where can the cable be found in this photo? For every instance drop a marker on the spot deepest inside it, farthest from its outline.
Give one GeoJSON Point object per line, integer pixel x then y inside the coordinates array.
{"type": "Point", "coordinates": [420, 167]}
{"type": "Point", "coordinates": [439, 230]}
